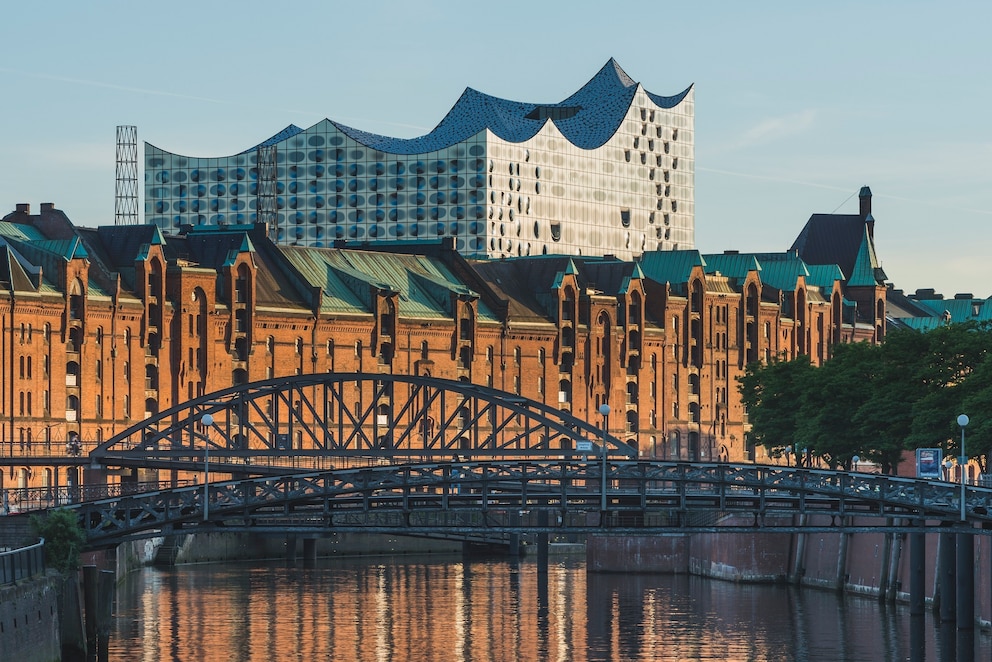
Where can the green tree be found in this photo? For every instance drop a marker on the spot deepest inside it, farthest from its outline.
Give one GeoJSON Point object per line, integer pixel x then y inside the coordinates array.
{"type": "Point", "coordinates": [832, 396]}
{"type": "Point", "coordinates": [885, 418]}
{"type": "Point", "coordinates": [977, 403]}
{"type": "Point", "coordinates": [953, 353]}
{"type": "Point", "coordinates": [64, 538]}
{"type": "Point", "coordinates": [878, 401]}
{"type": "Point", "coordinates": [772, 393]}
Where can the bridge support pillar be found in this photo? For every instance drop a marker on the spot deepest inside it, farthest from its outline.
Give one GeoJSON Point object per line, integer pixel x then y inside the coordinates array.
{"type": "Point", "coordinates": [966, 581]}
{"type": "Point", "coordinates": [309, 552]}
{"type": "Point", "coordinates": [514, 542]}
{"type": "Point", "coordinates": [291, 550]}
{"type": "Point", "coordinates": [917, 573]}
{"type": "Point", "coordinates": [945, 576]}
{"type": "Point", "coordinates": [542, 542]}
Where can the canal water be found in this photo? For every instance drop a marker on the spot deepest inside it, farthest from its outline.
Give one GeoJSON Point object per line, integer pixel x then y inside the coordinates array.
{"type": "Point", "coordinates": [439, 608]}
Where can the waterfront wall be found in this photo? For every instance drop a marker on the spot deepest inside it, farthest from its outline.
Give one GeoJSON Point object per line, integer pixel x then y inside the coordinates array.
{"type": "Point", "coordinates": [29, 620]}
{"type": "Point", "coordinates": [875, 564]}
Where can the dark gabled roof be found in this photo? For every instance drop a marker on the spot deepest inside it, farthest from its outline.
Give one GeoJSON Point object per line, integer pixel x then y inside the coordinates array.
{"type": "Point", "coordinates": [526, 283]}
{"type": "Point", "coordinates": [529, 283]}
{"type": "Point", "coordinates": [211, 246]}
{"type": "Point", "coordinates": [13, 276]}
{"type": "Point", "coordinates": [844, 240]}
{"type": "Point", "coordinates": [122, 244]}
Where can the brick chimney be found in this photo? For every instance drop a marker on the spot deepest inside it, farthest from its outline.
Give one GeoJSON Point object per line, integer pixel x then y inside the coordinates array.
{"type": "Point", "coordinates": [865, 199]}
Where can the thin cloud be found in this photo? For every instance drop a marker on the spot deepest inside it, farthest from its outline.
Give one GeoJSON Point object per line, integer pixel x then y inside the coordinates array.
{"type": "Point", "coordinates": [777, 128]}
{"type": "Point", "coordinates": [190, 97]}
{"type": "Point", "coordinates": [111, 86]}
{"type": "Point", "coordinates": [770, 178]}
{"type": "Point", "coordinates": [936, 203]}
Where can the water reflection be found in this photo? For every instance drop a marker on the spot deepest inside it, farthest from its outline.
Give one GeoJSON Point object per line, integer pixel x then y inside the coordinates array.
{"type": "Point", "coordinates": [449, 609]}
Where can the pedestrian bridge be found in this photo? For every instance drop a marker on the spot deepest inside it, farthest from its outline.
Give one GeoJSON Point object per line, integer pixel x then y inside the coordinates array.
{"type": "Point", "coordinates": [495, 498]}
{"type": "Point", "coordinates": [323, 453]}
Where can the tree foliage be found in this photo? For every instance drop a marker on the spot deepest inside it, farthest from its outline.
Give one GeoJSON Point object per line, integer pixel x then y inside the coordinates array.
{"type": "Point", "coordinates": [64, 538]}
{"type": "Point", "coordinates": [769, 393]}
{"type": "Point", "coordinates": [877, 401]}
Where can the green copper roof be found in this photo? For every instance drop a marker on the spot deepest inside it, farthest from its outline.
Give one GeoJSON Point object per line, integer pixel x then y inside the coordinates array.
{"type": "Point", "coordinates": [824, 276]}
{"type": "Point", "coordinates": [865, 265]}
{"type": "Point", "coordinates": [670, 266]}
{"type": "Point", "coordinates": [348, 279]}
{"type": "Point", "coordinates": [732, 265]}
{"type": "Point", "coordinates": [960, 310]}
{"type": "Point", "coordinates": [781, 270]}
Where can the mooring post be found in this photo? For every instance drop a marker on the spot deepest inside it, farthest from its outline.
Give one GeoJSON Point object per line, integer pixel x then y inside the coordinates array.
{"type": "Point", "coordinates": [946, 556]}
{"type": "Point", "coordinates": [542, 541]}
{"type": "Point", "coordinates": [966, 581]}
{"type": "Point", "coordinates": [917, 572]}
{"type": "Point", "coordinates": [309, 552]}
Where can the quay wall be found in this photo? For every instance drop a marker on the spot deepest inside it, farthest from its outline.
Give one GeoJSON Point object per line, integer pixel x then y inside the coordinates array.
{"type": "Point", "coordinates": [868, 563]}
{"type": "Point", "coordinates": [29, 620]}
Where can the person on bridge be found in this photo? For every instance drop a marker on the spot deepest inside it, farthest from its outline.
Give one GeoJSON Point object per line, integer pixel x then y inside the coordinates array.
{"type": "Point", "coordinates": [73, 447]}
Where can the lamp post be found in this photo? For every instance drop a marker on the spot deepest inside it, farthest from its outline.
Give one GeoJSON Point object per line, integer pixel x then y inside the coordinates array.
{"type": "Point", "coordinates": [963, 422]}
{"type": "Point", "coordinates": [604, 409]}
{"type": "Point", "coordinates": [207, 420]}
{"type": "Point", "coordinates": [788, 456]}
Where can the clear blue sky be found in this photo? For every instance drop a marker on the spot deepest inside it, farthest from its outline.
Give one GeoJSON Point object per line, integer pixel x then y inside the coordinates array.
{"type": "Point", "coordinates": [798, 104]}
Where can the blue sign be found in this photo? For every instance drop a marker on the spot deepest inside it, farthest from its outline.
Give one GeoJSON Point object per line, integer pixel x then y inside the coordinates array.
{"type": "Point", "coordinates": [928, 463]}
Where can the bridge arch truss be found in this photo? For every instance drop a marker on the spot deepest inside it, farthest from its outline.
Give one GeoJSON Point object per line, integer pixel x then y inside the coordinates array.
{"type": "Point", "coordinates": [337, 420]}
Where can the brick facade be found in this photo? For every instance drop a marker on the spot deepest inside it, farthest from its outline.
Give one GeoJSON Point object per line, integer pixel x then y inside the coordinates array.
{"type": "Point", "coordinates": [102, 327]}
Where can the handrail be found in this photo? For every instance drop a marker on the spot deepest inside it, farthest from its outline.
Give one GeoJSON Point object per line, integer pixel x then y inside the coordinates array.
{"type": "Point", "coordinates": [22, 563]}
{"type": "Point", "coordinates": [32, 499]}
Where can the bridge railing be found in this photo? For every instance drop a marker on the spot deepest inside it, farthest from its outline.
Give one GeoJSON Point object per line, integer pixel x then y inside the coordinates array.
{"type": "Point", "coordinates": [14, 450]}
{"type": "Point", "coordinates": [27, 499]}
{"type": "Point", "coordinates": [22, 563]}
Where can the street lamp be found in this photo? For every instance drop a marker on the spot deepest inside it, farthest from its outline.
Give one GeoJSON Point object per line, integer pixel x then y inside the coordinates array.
{"type": "Point", "coordinates": [788, 456]}
{"type": "Point", "coordinates": [206, 420]}
{"type": "Point", "coordinates": [604, 409]}
{"type": "Point", "coordinates": [963, 422]}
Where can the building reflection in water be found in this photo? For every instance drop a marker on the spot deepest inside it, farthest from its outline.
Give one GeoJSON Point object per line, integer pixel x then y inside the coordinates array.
{"type": "Point", "coordinates": [449, 609]}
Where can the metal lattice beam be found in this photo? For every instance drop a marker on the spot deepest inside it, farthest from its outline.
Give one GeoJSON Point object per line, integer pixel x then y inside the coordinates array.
{"type": "Point", "coordinates": [314, 422]}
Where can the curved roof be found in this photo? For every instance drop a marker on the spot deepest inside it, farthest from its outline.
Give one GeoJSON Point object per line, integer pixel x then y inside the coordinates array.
{"type": "Point", "coordinates": [587, 119]}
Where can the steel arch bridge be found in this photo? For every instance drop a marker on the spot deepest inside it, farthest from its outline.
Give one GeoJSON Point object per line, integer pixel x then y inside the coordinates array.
{"type": "Point", "coordinates": [317, 422]}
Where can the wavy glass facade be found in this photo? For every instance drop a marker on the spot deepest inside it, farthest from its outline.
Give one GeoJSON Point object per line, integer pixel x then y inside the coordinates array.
{"type": "Point", "coordinates": [609, 170]}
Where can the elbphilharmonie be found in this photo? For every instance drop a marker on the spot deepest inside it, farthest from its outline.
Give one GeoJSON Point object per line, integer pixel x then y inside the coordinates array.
{"type": "Point", "coordinates": [607, 171]}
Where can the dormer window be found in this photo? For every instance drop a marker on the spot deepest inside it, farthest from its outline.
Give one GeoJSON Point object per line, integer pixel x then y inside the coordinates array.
{"type": "Point", "coordinates": [553, 113]}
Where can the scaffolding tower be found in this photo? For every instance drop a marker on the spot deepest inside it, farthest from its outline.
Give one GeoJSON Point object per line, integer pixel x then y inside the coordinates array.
{"type": "Point", "coordinates": [126, 190]}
